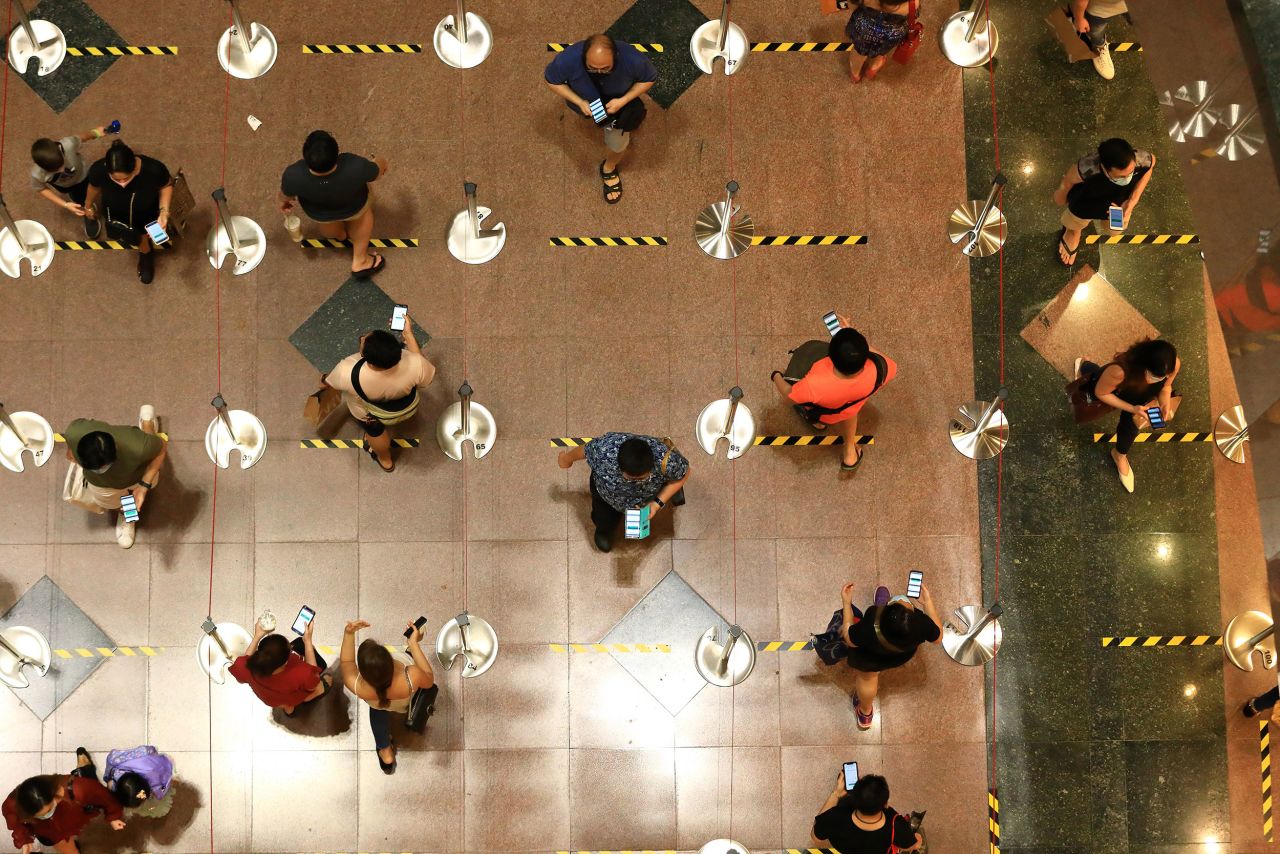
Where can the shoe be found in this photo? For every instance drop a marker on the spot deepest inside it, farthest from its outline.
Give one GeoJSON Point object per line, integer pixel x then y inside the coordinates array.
{"type": "Point", "coordinates": [125, 532]}
{"type": "Point", "coordinates": [1102, 62]}
{"type": "Point", "coordinates": [146, 267]}
{"type": "Point", "coordinates": [82, 753]}
{"type": "Point", "coordinates": [1248, 709]}
{"type": "Point", "coordinates": [882, 595]}
{"type": "Point", "coordinates": [864, 720]}
{"type": "Point", "coordinates": [388, 768]}
{"type": "Point", "coordinates": [1125, 479]}
{"type": "Point", "coordinates": [145, 414]}
{"type": "Point", "coordinates": [92, 227]}
{"type": "Point", "coordinates": [1076, 370]}
{"type": "Point", "coordinates": [603, 541]}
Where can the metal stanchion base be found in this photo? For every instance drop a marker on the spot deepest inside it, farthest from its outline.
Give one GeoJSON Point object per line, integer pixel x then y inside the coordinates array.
{"type": "Point", "coordinates": [723, 846]}
{"type": "Point", "coordinates": [483, 430]}
{"type": "Point", "coordinates": [968, 54]}
{"type": "Point", "coordinates": [482, 641]}
{"type": "Point", "coordinates": [32, 650]}
{"type": "Point", "coordinates": [262, 54]}
{"type": "Point", "coordinates": [704, 46]}
{"type": "Point", "coordinates": [991, 236]}
{"type": "Point", "coordinates": [252, 240]}
{"type": "Point", "coordinates": [39, 435]}
{"type": "Point", "coordinates": [49, 53]}
{"type": "Point", "coordinates": [1231, 434]}
{"type": "Point", "coordinates": [1243, 628]}
{"type": "Point", "coordinates": [979, 444]}
{"type": "Point", "coordinates": [466, 247]}
{"type": "Point", "coordinates": [458, 54]}
{"type": "Point", "coordinates": [971, 649]}
{"type": "Point", "coordinates": [709, 428]}
{"type": "Point", "coordinates": [40, 248]}
{"type": "Point", "coordinates": [210, 656]}
{"type": "Point", "coordinates": [742, 659]}
{"type": "Point", "coordinates": [706, 230]}
{"type": "Point", "coordinates": [250, 439]}
{"type": "Point", "coordinates": [1239, 143]}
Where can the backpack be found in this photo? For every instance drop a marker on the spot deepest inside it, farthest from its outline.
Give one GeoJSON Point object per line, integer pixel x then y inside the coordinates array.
{"type": "Point", "coordinates": [804, 357]}
{"type": "Point", "coordinates": [145, 760]}
{"type": "Point", "coordinates": [830, 645]}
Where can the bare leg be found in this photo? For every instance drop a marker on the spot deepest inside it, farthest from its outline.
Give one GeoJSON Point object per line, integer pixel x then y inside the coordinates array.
{"type": "Point", "coordinates": [1122, 461]}
{"type": "Point", "coordinates": [866, 686]}
{"type": "Point", "coordinates": [336, 230]}
{"type": "Point", "coordinates": [874, 66]}
{"type": "Point", "coordinates": [66, 846]}
{"type": "Point", "coordinates": [380, 445]}
{"type": "Point", "coordinates": [361, 229]}
{"type": "Point", "coordinates": [1070, 243]}
{"type": "Point", "coordinates": [388, 754]}
{"type": "Point", "coordinates": [851, 451]}
{"type": "Point", "coordinates": [856, 61]}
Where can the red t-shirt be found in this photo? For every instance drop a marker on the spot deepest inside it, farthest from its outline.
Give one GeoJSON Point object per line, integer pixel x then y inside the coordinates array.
{"type": "Point", "coordinates": [289, 687]}
{"type": "Point", "coordinates": [69, 817]}
{"type": "Point", "coordinates": [822, 386]}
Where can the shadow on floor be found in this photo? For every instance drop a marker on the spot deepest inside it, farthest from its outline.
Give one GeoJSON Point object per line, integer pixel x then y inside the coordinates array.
{"type": "Point", "coordinates": [325, 717]}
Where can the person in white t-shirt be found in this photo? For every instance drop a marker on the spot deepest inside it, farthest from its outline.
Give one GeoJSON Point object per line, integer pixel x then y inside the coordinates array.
{"type": "Point", "coordinates": [1091, 18]}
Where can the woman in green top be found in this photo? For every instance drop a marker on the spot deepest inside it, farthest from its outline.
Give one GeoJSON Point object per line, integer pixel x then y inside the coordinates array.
{"type": "Point", "coordinates": [117, 461]}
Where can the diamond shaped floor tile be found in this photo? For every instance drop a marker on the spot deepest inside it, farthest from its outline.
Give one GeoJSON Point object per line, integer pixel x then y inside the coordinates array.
{"type": "Point", "coordinates": [51, 612]}
{"type": "Point", "coordinates": [669, 23]}
{"type": "Point", "coordinates": [333, 332]}
{"type": "Point", "coordinates": [672, 613]}
{"type": "Point", "coordinates": [83, 28]}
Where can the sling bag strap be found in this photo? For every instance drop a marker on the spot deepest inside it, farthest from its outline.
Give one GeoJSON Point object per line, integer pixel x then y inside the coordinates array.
{"type": "Point", "coordinates": [882, 374]}
{"type": "Point", "coordinates": [880, 638]}
{"type": "Point", "coordinates": [393, 407]}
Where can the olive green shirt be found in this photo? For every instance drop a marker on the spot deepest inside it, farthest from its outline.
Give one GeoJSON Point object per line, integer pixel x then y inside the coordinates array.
{"type": "Point", "coordinates": [134, 452]}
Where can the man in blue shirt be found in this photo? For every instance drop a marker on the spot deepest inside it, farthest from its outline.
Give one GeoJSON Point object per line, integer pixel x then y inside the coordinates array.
{"type": "Point", "coordinates": [616, 74]}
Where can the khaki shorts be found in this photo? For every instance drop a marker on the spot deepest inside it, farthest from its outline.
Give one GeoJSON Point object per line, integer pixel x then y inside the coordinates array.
{"type": "Point", "coordinates": [616, 140]}
{"type": "Point", "coordinates": [1074, 222]}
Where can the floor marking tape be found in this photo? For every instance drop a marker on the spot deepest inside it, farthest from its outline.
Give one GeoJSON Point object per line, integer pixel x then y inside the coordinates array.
{"type": "Point", "coordinates": [800, 47]}
{"type": "Point", "coordinates": [643, 47]}
{"type": "Point", "coordinates": [362, 49]}
{"type": "Point", "coordinates": [1159, 438]}
{"type": "Point", "coordinates": [101, 245]}
{"type": "Point", "coordinates": [1126, 47]}
{"type": "Point", "coordinates": [1162, 640]}
{"type": "Point", "coordinates": [609, 647]}
{"type": "Point", "coordinates": [353, 443]}
{"type": "Point", "coordinates": [784, 646]}
{"type": "Point", "coordinates": [570, 441]}
{"type": "Point", "coordinates": [993, 821]}
{"type": "Point", "coordinates": [635, 851]}
{"type": "Point", "coordinates": [1264, 748]}
{"type": "Point", "coordinates": [108, 652]}
{"type": "Point", "coordinates": [810, 240]}
{"type": "Point", "coordinates": [644, 240]}
{"type": "Point", "coordinates": [377, 242]}
{"type": "Point", "coordinates": [58, 437]}
{"type": "Point", "coordinates": [801, 441]}
{"type": "Point", "coordinates": [1143, 239]}
{"type": "Point", "coordinates": [124, 50]}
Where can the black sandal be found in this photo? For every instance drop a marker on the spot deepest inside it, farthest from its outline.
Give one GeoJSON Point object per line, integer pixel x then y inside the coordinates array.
{"type": "Point", "coordinates": [605, 178]}
{"type": "Point", "coordinates": [857, 462]}
{"type": "Point", "coordinates": [374, 454]}
{"type": "Point", "coordinates": [1071, 253]}
{"type": "Point", "coordinates": [373, 269]}
{"type": "Point", "coordinates": [387, 767]}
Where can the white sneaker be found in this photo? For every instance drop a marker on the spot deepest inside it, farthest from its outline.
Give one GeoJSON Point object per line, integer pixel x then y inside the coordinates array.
{"type": "Point", "coordinates": [145, 414]}
{"type": "Point", "coordinates": [1079, 362]}
{"type": "Point", "coordinates": [1102, 62]}
{"type": "Point", "coordinates": [125, 532]}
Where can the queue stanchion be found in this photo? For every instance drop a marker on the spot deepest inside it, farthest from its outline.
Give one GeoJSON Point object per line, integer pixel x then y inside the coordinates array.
{"type": "Point", "coordinates": [719, 39]}
{"type": "Point", "coordinates": [980, 431]}
{"type": "Point", "coordinates": [970, 39]}
{"type": "Point", "coordinates": [722, 230]}
{"type": "Point", "coordinates": [1247, 633]}
{"type": "Point", "coordinates": [23, 239]}
{"type": "Point", "coordinates": [1193, 112]}
{"type": "Point", "coordinates": [234, 430]}
{"type": "Point", "coordinates": [726, 419]}
{"type": "Point", "coordinates": [463, 39]}
{"type": "Point", "coordinates": [728, 662]}
{"type": "Point", "coordinates": [245, 50]}
{"type": "Point", "coordinates": [466, 421]}
{"type": "Point", "coordinates": [470, 638]}
{"type": "Point", "coordinates": [467, 241]}
{"type": "Point", "coordinates": [977, 638]}
{"type": "Point", "coordinates": [1231, 434]}
{"type": "Point", "coordinates": [40, 40]}
{"type": "Point", "coordinates": [22, 648]}
{"type": "Point", "coordinates": [979, 228]}
{"type": "Point", "coordinates": [24, 432]}
{"type": "Point", "coordinates": [1239, 144]}
{"type": "Point", "coordinates": [221, 644]}
{"type": "Point", "coordinates": [234, 235]}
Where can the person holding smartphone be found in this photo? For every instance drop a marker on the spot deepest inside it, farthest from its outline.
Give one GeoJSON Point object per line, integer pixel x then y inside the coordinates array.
{"type": "Point", "coordinates": [59, 174]}
{"type": "Point", "coordinates": [1116, 174]}
{"type": "Point", "coordinates": [860, 820]}
{"type": "Point", "coordinates": [282, 674]}
{"type": "Point", "coordinates": [131, 191]}
{"type": "Point", "coordinates": [116, 461]}
{"type": "Point", "coordinates": [1135, 381]}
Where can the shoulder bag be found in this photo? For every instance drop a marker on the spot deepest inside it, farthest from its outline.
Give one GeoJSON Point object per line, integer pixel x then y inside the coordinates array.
{"type": "Point", "coordinates": [421, 705]}
{"type": "Point", "coordinates": [808, 353]}
{"type": "Point", "coordinates": [1084, 406]}
{"type": "Point", "coordinates": [75, 490]}
{"type": "Point", "coordinates": [678, 499]}
{"type": "Point", "coordinates": [903, 52]}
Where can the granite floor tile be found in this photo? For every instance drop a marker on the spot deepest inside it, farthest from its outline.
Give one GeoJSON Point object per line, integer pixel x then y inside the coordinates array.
{"type": "Point", "coordinates": [528, 704]}
{"type": "Point", "coordinates": [496, 818]}
{"type": "Point", "coordinates": [643, 778]}
{"type": "Point", "coordinates": [333, 776]}
{"type": "Point", "coordinates": [535, 574]}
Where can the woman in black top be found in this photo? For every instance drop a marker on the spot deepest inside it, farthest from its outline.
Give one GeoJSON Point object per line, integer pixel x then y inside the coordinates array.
{"type": "Point", "coordinates": [1140, 378]}
{"type": "Point", "coordinates": [130, 191]}
{"type": "Point", "coordinates": [1115, 174]}
{"type": "Point", "coordinates": [861, 821]}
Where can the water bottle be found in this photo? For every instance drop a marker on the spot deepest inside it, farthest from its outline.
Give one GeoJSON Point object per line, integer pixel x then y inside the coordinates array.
{"type": "Point", "coordinates": [293, 225]}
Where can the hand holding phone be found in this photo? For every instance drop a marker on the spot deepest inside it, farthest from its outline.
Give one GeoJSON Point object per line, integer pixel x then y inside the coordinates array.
{"type": "Point", "coordinates": [157, 233]}
{"type": "Point", "coordinates": [1156, 417]}
{"type": "Point", "coordinates": [915, 579]}
{"type": "Point", "coordinates": [398, 316]}
{"type": "Point", "coordinates": [850, 775]}
{"type": "Point", "coordinates": [1115, 218]}
{"type": "Point", "coordinates": [636, 526]}
{"type": "Point", "coordinates": [304, 618]}
{"type": "Point", "coordinates": [832, 321]}
{"type": "Point", "coordinates": [416, 627]}
{"type": "Point", "coordinates": [129, 507]}
{"type": "Point", "coordinates": [597, 111]}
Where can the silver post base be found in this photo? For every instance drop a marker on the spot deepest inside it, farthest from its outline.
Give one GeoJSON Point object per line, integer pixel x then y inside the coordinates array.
{"type": "Point", "coordinates": [262, 54]}
{"type": "Point", "coordinates": [210, 656]}
{"type": "Point", "coordinates": [482, 432]}
{"type": "Point", "coordinates": [968, 54]}
{"type": "Point", "coordinates": [709, 428]}
{"type": "Point", "coordinates": [968, 648]}
{"type": "Point", "coordinates": [1231, 434]}
{"type": "Point", "coordinates": [48, 53]}
{"type": "Point", "coordinates": [742, 659]}
{"type": "Point", "coordinates": [252, 240]}
{"type": "Point", "coordinates": [1242, 629]}
{"type": "Point", "coordinates": [482, 646]}
{"type": "Point", "coordinates": [962, 227]}
{"type": "Point", "coordinates": [704, 46]}
{"type": "Point", "coordinates": [23, 647]}
{"type": "Point", "coordinates": [723, 846]}
{"type": "Point", "coordinates": [459, 54]}
{"type": "Point", "coordinates": [250, 439]}
{"type": "Point", "coordinates": [1240, 142]}
{"type": "Point", "coordinates": [707, 231]}
{"type": "Point", "coordinates": [39, 435]}
{"type": "Point", "coordinates": [40, 248]}
{"type": "Point", "coordinates": [469, 249]}
{"type": "Point", "coordinates": [979, 444]}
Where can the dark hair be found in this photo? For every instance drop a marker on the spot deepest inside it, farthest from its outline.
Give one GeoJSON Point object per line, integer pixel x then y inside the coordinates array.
{"type": "Point", "coordinates": [1116, 153]}
{"type": "Point", "coordinates": [902, 626]}
{"type": "Point", "coordinates": [270, 656]}
{"type": "Point", "coordinates": [848, 351]}
{"type": "Point", "coordinates": [130, 788]}
{"type": "Point", "coordinates": [34, 794]}
{"type": "Point", "coordinates": [635, 457]}
{"type": "Point", "coordinates": [95, 450]}
{"type": "Point", "coordinates": [869, 796]}
{"type": "Point", "coordinates": [120, 158]}
{"type": "Point", "coordinates": [1150, 354]}
{"type": "Point", "coordinates": [381, 349]}
{"type": "Point", "coordinates": [47, 154]}
{"type": "Point", "coordinates": [320, 151]}
{"type": "Point", "coordinates": [600, 40]}
{"type": "Point", "coordinates": [377, 668]}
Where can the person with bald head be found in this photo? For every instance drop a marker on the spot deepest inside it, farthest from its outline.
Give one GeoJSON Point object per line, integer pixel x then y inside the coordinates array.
{"type": "Point", "coordinates": [615, 75]}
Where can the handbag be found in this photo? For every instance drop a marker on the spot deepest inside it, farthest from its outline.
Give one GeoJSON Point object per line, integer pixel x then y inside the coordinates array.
{"type": "Point", "coordinates": [421, 705]}
{"type": "Point", "coordinates": [75, 490]}
{"type": "Point", "coordinates": [830, 7]}
{"type": "Point", "coordinates": [903, 52]}
{"type": "Point", "coordinates": [320, 403]}
{"type": "Point", "coordinates": [678, 499]}
{"type": "Point", "coordinates": [1084, 406]}
{"type": "Point", "coordinates": [830, 645]}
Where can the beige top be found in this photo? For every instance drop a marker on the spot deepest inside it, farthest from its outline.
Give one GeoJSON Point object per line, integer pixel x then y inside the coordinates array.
{"type": "Point", "coordinates": [391, 384]}
{"type": "Point", "coordinates": [400, 706]}
{"type": "Point", "coordinates": [1106, 8]}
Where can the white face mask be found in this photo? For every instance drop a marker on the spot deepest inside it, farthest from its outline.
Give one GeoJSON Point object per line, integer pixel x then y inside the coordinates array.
{"type": "Point", "coordinates": [1122, 181]}
{"type": "Point", "coordinates": [48, 815]}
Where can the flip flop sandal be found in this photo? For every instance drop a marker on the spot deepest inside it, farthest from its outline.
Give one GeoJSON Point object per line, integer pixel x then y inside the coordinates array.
{"type": "Point", "coordinates": [605, 177]}
{"type": "Point", "coordinates": [846, 467]}
{"type": "Point", "coordinates": [377, 267]}
{"type": "Point", "coordinates": [1071, 253]}
{"type": "Point", "coordinates": [374, 455]}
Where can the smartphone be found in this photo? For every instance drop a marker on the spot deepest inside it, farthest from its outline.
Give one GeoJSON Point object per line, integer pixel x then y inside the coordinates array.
{"type": "Point", "coordinates": [597, 111]}
{"type": "Point", "coordinates": [157, 233]}
{"type": "Point", "coordinates": [129, 508]}
{"type": "Point", "coordinates": [1115, 218]}
{"type": "Point", "coordinates": [636, 526]}
{"type": "Point", "coordinates": [417, 624]}
{"type": "Point", "coordinates": [1156, 418]}
{"type": "Point", "coordinates": [305, 616]}
{"type": "Point", "coordinates": [850, 775]}
{"type": "Point", "coordinates": [831, 322]}
{"type": "Point", "coordinates": [914, 580]}
{"type": "Point", "coordinates": [397, 318]}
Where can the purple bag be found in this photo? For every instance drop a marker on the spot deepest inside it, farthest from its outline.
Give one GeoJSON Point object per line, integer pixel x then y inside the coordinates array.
{"type": "Point", "coordinates": [145, 760]}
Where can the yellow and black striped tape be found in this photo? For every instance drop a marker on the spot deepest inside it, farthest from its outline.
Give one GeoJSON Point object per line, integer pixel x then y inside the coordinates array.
{"type": "Point", "coordinates": [58, 437]}
{"type": "Point", "coordinates": [609, 647]}
{"type": "Point", "coordinates": [809, 441]}
{"type": "Point", "coordinates": [810, 240]}
{"type": "Point", "coordinates": [993, 821]}
{"type": "Point", "coordinates": [643, 47]}
{"type": "Point", "coordinates": [644, 240]}
{"type": "Point", "coordinates": [800, 47]}
{"type": "Point", "coordinates": [1158, 438]}
{"type": "Point", "coordinates": [376, 242]}
{"type": "Point", "coordinates": [103, 245]}
{"type": "Point", "coordinates": [1264, 749]}
{"type": "Point", "coordinates": [108, 652]}
{"type": "Point", "coordinates": [361, 49]}
{"type": "Point", "coordinates": [783, 646]}
{"type": "Point", "coordinates": [353, 443]}
{"type": "Point", "coordinates": [570, 441]}
{"type": "Point", "coordinates": [124, 50]}
{"type": "Point", "coordinates": [1142, 239]}
{"type": "Point", "coordinates": [1126, 47]}
{"type": "Point", "coordinates": [1163, 640]}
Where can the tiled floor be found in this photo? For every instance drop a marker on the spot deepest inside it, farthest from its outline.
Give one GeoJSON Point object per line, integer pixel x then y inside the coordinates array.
{"type": "Point", "coordinates": [553, 751]}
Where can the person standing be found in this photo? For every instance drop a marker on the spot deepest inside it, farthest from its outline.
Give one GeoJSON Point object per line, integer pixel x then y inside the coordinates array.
{"type": "Point", "coordinates": [53, 809]}
{"type": "Point", "coordinates": [876, 28]}
{"type": "Point", "coordinates": [59, 174]}
{"type": "Point", "coordinates": [628, 471]}
{"type": "Point", "coordinates": [1116, 174]}
{"type": "Point", "coordinates": [616, 74]}
{"type": "Point", "coordinates": [860, 820]}
{"type": "Point", "coordinates": [333, 189]}
{"type": "Point", "coordinates": [386, 681]}
{"type": "Point", "coordinates": [1091, 19]}
{"type": "Point", "coordinates": [281, 674]}
{"type": "Point", "coordinates": [133, 191]}
{"type": "Point", "coordinates": [381, 385]}
{"type": "Point", "coordinates": [117, 461]}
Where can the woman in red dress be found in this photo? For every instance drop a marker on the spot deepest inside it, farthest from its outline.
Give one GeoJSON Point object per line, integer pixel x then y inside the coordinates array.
{"type": "Point", "coordinates": [53, 809]}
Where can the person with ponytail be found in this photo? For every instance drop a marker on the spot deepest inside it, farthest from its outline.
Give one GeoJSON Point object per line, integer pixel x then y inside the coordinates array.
{"type": "Point", "coordinates": [130, 191]}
